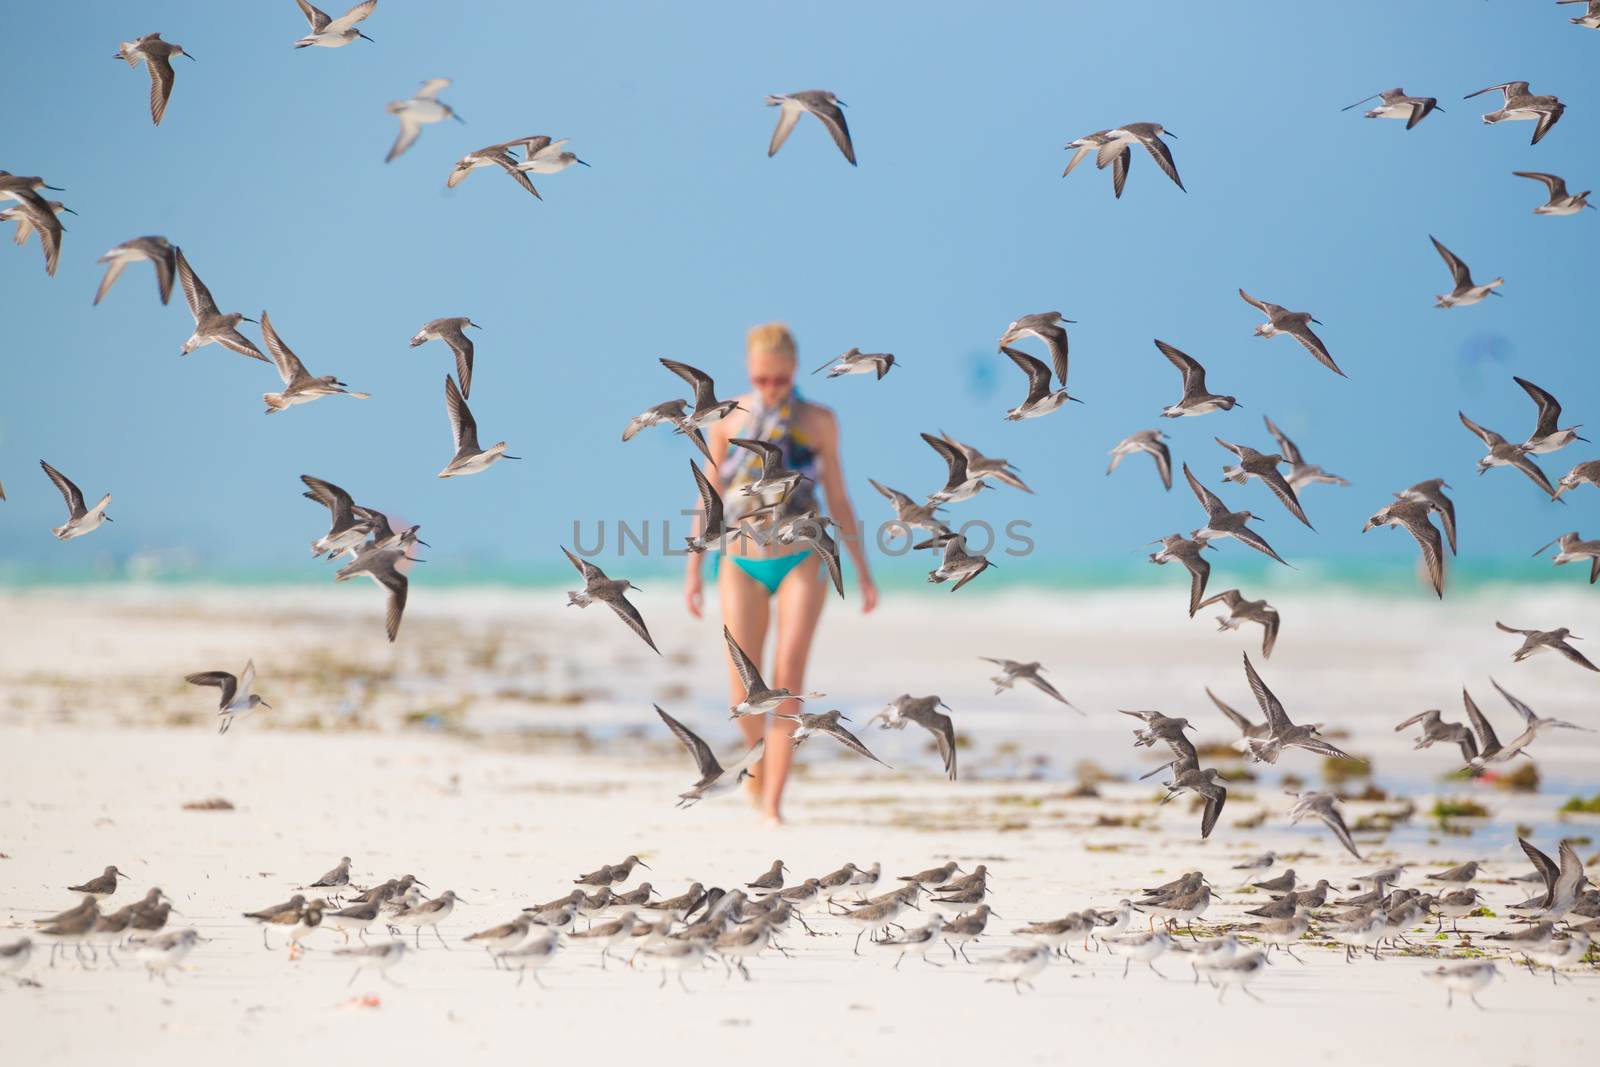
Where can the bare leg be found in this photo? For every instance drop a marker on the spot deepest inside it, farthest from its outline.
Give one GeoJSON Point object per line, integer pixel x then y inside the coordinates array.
{"type": "Point", "coordinates": [800, 600]}
{"type": "Point", "coordinates": [745, 612]}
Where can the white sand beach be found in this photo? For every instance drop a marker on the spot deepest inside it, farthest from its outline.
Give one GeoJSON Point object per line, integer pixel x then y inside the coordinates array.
{"type": "Point", "coordinates": [507, 744]}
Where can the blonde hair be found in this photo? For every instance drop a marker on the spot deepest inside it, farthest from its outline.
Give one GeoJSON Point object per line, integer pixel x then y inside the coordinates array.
{"type": "Point", "coordinates": [771, 337]}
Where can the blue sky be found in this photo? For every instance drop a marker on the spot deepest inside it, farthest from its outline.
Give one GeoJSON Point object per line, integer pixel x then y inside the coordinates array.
{"type": "Point", "coordinates": [268, 170]}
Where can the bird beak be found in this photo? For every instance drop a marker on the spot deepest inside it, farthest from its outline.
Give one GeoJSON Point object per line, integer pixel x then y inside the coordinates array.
{"type": "Point", "coordinates": [189, 57]}
{"type": "Point", "coordinates": [108, 518]}
{"type": "Point", "coordinates": [1168, 133]}
{"type": "Point", "coordinates": [577, 160]}
{"type": "Point", "coordinates": [364, 37]}
{"type": "Point", "coordinates": [247, 318]}
{"type": "Point", "coordinates": [645, 865]}
{"type": "Point", "coordinates": [265, 704]}
{"type": "Point", "coordinates": [458, 118]}
{"type": "Point", "coordinates": [69, 211]}
{"type": "Point", "coordinates": [841, 103]}
{"type": "Point", "coordinates": [423, 543]}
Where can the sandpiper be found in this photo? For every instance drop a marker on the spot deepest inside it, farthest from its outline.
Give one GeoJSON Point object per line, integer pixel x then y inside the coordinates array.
{"type": "Point", "coordinates": [1281, 733]}
{"type": "Point", "coordinates": [495, 155]}
{"type": "Point", "coordinates": [1504, 454]}
{"type": "Point", "coordinates": [1296, 324]}
{"type": "Point", "coordinates": [1041, 399]}
{"type": "Point", "coordinates": [1301, 473]}
{"type": "Point", "coordinates": [236, 699]}
{"type": "Point", "coordinates": [382, 565]}
{"type": "Point", "coordinates": [1081, 147]}
{"type": "Point", "coordinates": [1264, 466]}
{"type": "Point", "coordinates": [1195, 400]}
{"type": "Point", "coordinates": [1431, 493]}
{"type": "Point", "coordinates": [267, 916]}
{"type": "Point", "coordinates": [917, 939]}
{"type": "Point", "coordinates": [334, 33]}
{"type": "Point", "coordinates": [880, 914]}
{"type": "Point", "coordinates": [1535, 726]}
{"type": "Point", "coordinates": [828, 723]}
{"type": "Point", "coordinates": [1585, 473]}
{"type": "Point", "coordinates": [1046, 326]}
{"type": "Point", "coordinates": [337, 878]}
{"type": "Point", "coordinates": [1220, 522]}
{"type": "Point", "coordinates": [610, 934]}
{"type": "Point", "coordinates": [14, 957]}
{"type": "Point", "coordinates": [1397, 105]}
{"type": "Point", "coordinates": [1457, 905]}
{"type": "Point", "coordinates": [349, 528]}
{"type": "Point", "coordinates": [453, 332]}
{"type": "Point", "coordinates": [1176, 547]}
{"type": "Point", "coordinates": [157, 57]}
{"type": "Point", "coordinates": [819, 102]}
{"type": "Point", "coordinates": [1466, 978]}
{"type": "Point", "coordinates": [914, 516]}
{"type": "Point", "coordinates": [777, 480]}
{"type": "Point", "coordinates": [960, 483]}
{"type": "Point", "coordinates": [1152, 441]}
{"type": "Point", "coordinates": [1254, 866]}
{"type": "Point", "coordinates": [714, 778]}
{"type": "Point", "coordinates": [1560, 201]}
{"type": "Point", "coordinates": [759, 698]}
{"type": "Point", "coordinates": [80, 518]}
{"type": "Point", "coordinates": [429, 913]}
{"type": "Point", "coordinates": [158, 251]}
{"type": "Point", "coordinates": [923, 711]}
{"type": "Point", "coordinates": [1140, 947]}
{"type": "Point", "coordinates": [34, 214]}
{"type": "Point", "coordinates": [1282, 933]}
{"type": "Point", "coordinates": [100, 886]}
{"type": "Point", "coordinates": [1536, 641]}
{"type": "Point", "coordinates": [468, 458]}
{"type": "Point", "coordinates": [1561, 952]}
{"type": "Point", "coordinates": [530, 957]}
{"type": "Point", "coordinates": [1547, 435]}
{"type": "Point", "coordinates": [544, 156]}
{"type": "Point", "coordinates": [612, 592]}
{"type": "Point", "coordinates": [1241, 611]}
{"type": "Point", "coordinates": [1057, 934]}
{"type": "Point", "coordinates": [1571, 548]}
{"type": "Point", "coordinates": [357, 917]}
{"type": "Point", "coordinates": [210, 325]}
{"type": "Point", "coordinates": [707, 408]}
{"type": "Point", "coordinates": [674, 412]}
{"type": "Point", "coordinates": [425, 108]}
{"type": "Point", "coordinates": [1590, 19]}
{"type": "Point", "coordinates": [1435, 731]}
{"type": "Point", "coordinates": [957, 563]}
{"type": "Point", "coordinates": [500, 938]}
{"type": "Point", "coordinates": [1413, 516]}
{"type": "Point", "coordinates": [1146, 133]}
{"type": "Point", "coordinates": [162, 952]}
{"type": "Point", "coordinates": [1324, 806]}
{"type": "Point", "coordinates": [1013, 671]}
{"type": "Point", "coordinates": [299, 387]}
{"type": "Point", "coordinates": [1520, 104]}
{"type": "Point", "coordinates": [856, 361]}
{"type": "Point", "coordinates": [379, 957]}
{"type": "Point", "coordinates": [1466, 291]}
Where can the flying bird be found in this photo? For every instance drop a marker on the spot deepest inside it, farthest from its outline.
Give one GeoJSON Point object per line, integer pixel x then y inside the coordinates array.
{"type": "Point", "coordinates": [856, 361]}
{"type": "Point", "coordinates": [1536, 641]}
{"type": "Point", "coordinates": [236, 699]}
{"type": "Point", "coordinates": [1590, 19]}
{"type": "Point", "coordinates": [1560, 202]}
{"type": "Point", "coordinates": [612, 592]}
{"type": "Point", "coordinates": [421, 110]}
{"type": "Point", "coordinates": [1296, 324]}
{"type": "Point", "coordinates": [1196, 400]}
{"type": "Point", "coordinates": [759, 697]}
{"type": "Point", "coordinates": [495, 155]}
{"type": "Point", "coordinates": [819, 102]}
{"type": "Point", "coordinates": [1241, 611]}
{"type": "Point", "coordinates": [1573, 549]}
{"type": "Point", "coordinates": [210, 325]}
{"type": "Point", "coordinates": [1092, 143]}
{"type": "Point", "coordinates": [1504, 454]}
{"type": "Point", "coordinates": [1176, 547]}
{"type": "Point", "coordinates": [1431, 493]}
{"type": "Point", "coordinates": [1435, 731]}
{"type": "Point", "coordinates": [1147, 134]}
{"type": "Point", "coordinates": [957, 563]}
{"type": "Point", "coordinates": [1547, 435]}
{"type": "Point", "coordinates": [1046, 326]}
{"type": "Point", "coordinates": [1301, 473]}
{"type": "Point", "coordinates": [1013, 671]}
{"type": "Point", "coordinates": [714, 778]}
{"type": "Point", "coordinates": [157, 251]}
{"type": "Point", "coordinates": [1534, 726]}
{"type": "Point", "coordinates": [707, 408]}
{"type": "Point", "coordinates": [81, 519]}
{"type": "Point", "coordinates": [1220, 522]}
{"type": "Point", "coordinates": [453, 332]}
{"type": "Point", "coordinates": [924, 712]}
{"type": "Point", "coordinates": [1281, 732]}
{"type": "Point", "coordinates": [1041, 399]}
{"type": "Point", "coordinates": [334, 33]}
{"type": "Point", "coordinates": [1519, 104]}
{"type": "Point", "coordinates": [1466, 291]}
{"type": "Point", "coordinates": [1152, 441]}
{"type": "Point", "coordinates": [827, 723]}
{"type": "Point", "coordinates": [1253, 464]}
{"type": "Point", "coordinates": [1001, 470]}
{"type": "Point", "coordinates": [1413, 515]}
{"type": "Point", "coordinates": [299, 386]}
{"type": "Point", "coordinates": [1397, 105]}
{"type": "Point", "coordinates": [156, 55]}
{"type": "Point", "coordinates": [468, 458]}
{"type": "Point", "coordinates": [1324, 806]}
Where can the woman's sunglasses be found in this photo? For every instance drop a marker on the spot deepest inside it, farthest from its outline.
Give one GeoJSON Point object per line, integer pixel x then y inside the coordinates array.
{"type": "Point", "coordinates": [762, 381]}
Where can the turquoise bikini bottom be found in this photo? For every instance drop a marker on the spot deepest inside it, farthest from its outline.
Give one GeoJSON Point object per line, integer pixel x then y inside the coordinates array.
{"type": "Point", "coordinates": [770, 572]}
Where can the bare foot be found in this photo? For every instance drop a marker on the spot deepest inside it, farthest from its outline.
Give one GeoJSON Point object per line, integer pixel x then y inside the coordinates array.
{"type": "Point", "coordinates": [771, 819]}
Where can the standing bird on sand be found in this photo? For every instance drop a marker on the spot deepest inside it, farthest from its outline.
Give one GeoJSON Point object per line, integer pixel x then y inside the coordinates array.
{"type": "Point", "coordinates": [1560, 201]}
{"type": "Point", "coordinates": [210, 325]}
{"type": "Point", "coordinates": [453, 332]}
{"type": "Point", "coordinates": [1296, 324]}
{"type": "Point", "coordinates": [1466, 291]}
{"type": "Point", "coordinates": [157, 57]}
{"type": "Point", "coordinates": [469, 458]}
{"type": "Point", "coordinates": [421, 110]}
{"type": "Point", "coordinates": [1520, 104]}
{"type": "Point", "coordinates": [612, 592]}
{"type": "Point", "coordinates": [819, 102]}
{"type": "Point", "coordinates": [80, 518]}
{"type": "Point", "coordinates": [157, 250]}
{"type": "Point", "coordinates": [1397, 105]}
{"type": "Point", "coordinates": [1152, 441]}
{"type": "Point", "coordinates": [1413, 515]}
{"type": "Point", "coordinates": [334, 33]}
{"type": "Point", "coordinates": [236, 700]}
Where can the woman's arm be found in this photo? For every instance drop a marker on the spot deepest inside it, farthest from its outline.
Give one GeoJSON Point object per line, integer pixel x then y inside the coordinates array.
{"type": "Point", "coordinates": [832, 472]}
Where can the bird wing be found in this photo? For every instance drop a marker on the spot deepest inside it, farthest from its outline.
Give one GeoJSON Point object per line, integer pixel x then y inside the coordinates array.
{"type": "Point", "coordinates": [1556, 186]}
{"type": "Point", "coordinates": [318, 19]}
{"type": "Point", "coordinates": [194, 290]}
{"type": "Point", "coordinates": [789, 112]}
{"type": "Point", "coordinates": [290, 369]}
{"type": "Point", "coordinates": [704, 759]}
{"type": "Point", "coordinates": [1418, 717]}
{"type": "Point", "coordinates": [1194, 375]}
{"type": "Point", "coordinates": [409, 129]}
{"type": "Point", "coordinates": [1575, 656]}
{"type": "Point", "coordinates": [1163, 157]}
{"type": "Point", "coordinates": [585, 568]}
{"type": "Point", "coordinates": [1335, 822]}
{"type": "Point", "coordinates": [43, 218]}
{"type": "Point", "coordinates": [832, 117]}
{"type": "Point", "coordinates": [1216, 796]}
{"type": "Point", "coordinates": [113, 270]}
{"type": "Point", "coordinates": [1313, 344]}
{"type": "Point", "coordinates": [1548, 117]}
{"type": "Point", "coordinates": [1038, 374]}
{"type": "Point", "coordinates": [464, 431]}
{"type": "Point", "coordinates": [1230, 597]}
{"type": "Point", "coordinates": [1046, 688]}
{"type": "Point", "coordinates": [1487, 741]}
{"type": "Point", "coordinates": [1286, 447]}
{"type": "Point", "coordinates": [1199, 571]}
{"type": "Point", "coordinates": [1427, 538]}
{"type": "Point", "coordinates": [503, 160]}
{"type": "Point", "coordinates": [954, 458]}
{"type": "Point", "coordinates": [1208, 500]}
{"type": "Point", "coordinates": [1502, 627]}
{"type": "Point", "coordinates": [69, 490]}
{"type": "Point", "coordinates": [1274, 480]}
{"type": "Point", "coordinates": [710, 501]}
{"type": "Point", "coordinates": [1524, 463]}
{"type": "Point", "coordinates": [749, 673]}
{"type": "Point", "coordinates": [850, 741]}
{"type": "Point", "coordinates": [351, 17]}
{"type": "Point", "coordinates": [1055, 338]}
{"type": "Point", "coordinates": [1237, 719]}
{"type": "Point", "coordinates": [1119, 169]}
{"type": "Point", "coordinates": [1546, 867]}
{"type": "Point", "coordinates": [630, 615]}
{"type": "Point", "coordinates": [1570, 878]}
{"type": "Point", "coordinates": [461, 345]}
{"type": "Point", "coordinates": [1277, 718]}
{"type": "Point", "coordinates": [1487, 436]}
{"type": "Point", "coordinates": [1549, 406]}
{"type": "Point", "coordinates": [234, 341]}
{"type": "Point", "coordinates": [704, 388]}
{"type": "Point", "coordinates": [1260, 305]}
{"type": "Point", "coordinates": [221, 679]}
{"type": "Point", "coordinates": [161, 78]}
{"type": "Point", "coordinates": [432, 88]}
{"type": "Point", "coordinates": [1458, 269]}
{"type": "Point", "coordinates": [1522, 709]}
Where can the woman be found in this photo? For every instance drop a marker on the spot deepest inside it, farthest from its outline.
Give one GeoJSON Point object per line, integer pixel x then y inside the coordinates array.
{"type": "Point", "coordinates": [755, 573]}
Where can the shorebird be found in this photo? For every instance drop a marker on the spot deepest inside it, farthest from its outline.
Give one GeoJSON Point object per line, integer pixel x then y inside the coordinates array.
{"type": "Point", "coordinates": [1519, 104]}
{"type": "Point", "coordinates": [1242, 611]}
{"type": "Point", "coordinates": [286, 913]}
{"type": "Point", "coordinates": [910, 514]}
{"type": "Point", "coordinates": [81, 519]}
{"type": "Point", "coordinates": [1457, 905]}
{"type": "Point", "coordinates": [99, 887]}
{"type": "Point", "coordinates": [1220, 522]}
{"type": "Point", "coordinates": [14, 957]}
{"type": "Point", "coordinates": [530, 957]}
{"type": "Point", "coordinates": [1013, 671]}
{"type": "Point", "coordinates": [1535, 641]}
{"type": "Point", "coordinates": [1561, 952]}
{"type": "Point", "coordinates": [966, 927]}
{"type": "Point", "coordinates": [236, 699]}
{"type": "Point", "coordinates": [1281, 933]}
{"type": "Point", "coordinates": [1590, 19]}
{"type": "Point", "coordinates": [957, 563]}
{"type": "Point", "coordinates": [1188, 777]}
{"type": "Point", "coordinates": [776, 479]}
{"type": "Point", "coordinates": [810, 528]}
{"type": "Point", "coordinates": [33, 213]}
{"type": "Point", "coordinates": [923, 711]}
{"type": "Point", "coordinates": [674, 412]}
{"type": "Point", "coordinates": [1019, 966]}
{"type": "Point", "coordinates": [1504, 454]}
{"type": "Point", "coordinates": [1186, 551]}
{"type": "Point", "coordinates": [1248, 732]}
{"type": "Point", "coordinates": [1057, 934]}
{"type": "Point", "coordinates": [1046, 326]}
{"type": "Point", "coordinates": [1560, 202]}
{"type": "Point", "coordinates": [469, 458]}
{"type": "Point", "coordinates": [612, 592]}
{"type": "Point", "coordinates": [334, 33]}
{"type": "Point", "coordinates": [500, 938]}
{"type": "Point", "coordinates": [1230, 967]}
{"type": "Point", "coordinates": [1547, 435]}
{"type": "Point", "coordinates": [350, 525]}
{"type": "Point", "coordinates": [495, 155]}
{"type": "Point", "coordinates": [759, 698]}
{"type": "Point", "coordinates": [1435, 730]}
{"type": "Point", "coordinates": [979, 465]}
{"type": "Point", "coordinates": [1488, 744]}
{"type": "Point", "coordinates": [610, 934]}
{"type": "Point", "coordinates": [1140, 947]}
{"type": "Point", "coordinates": [382, 565]}
{"type": "Point", "coordinates": [1466, 291]}
{"type": "Point", "coordinates": [1585, 473]}
{"type": "Point", "coordinates": [544, 156]}
{"type": "Point", "coordinates": [770, 881]}
{"type": "Point", "coordinates": [714, 778]}
{"type": "Point", "coordinates": [1296, 324]}
{"type": "Point", "coordinates": [423, 109]}
{"type": "Point", "coordinates": [1535, 726]}
{"type": "Point", "coordinates": [299, 387]}
{"type": "Point", "coordinates": [1041, 400]}
{"type": "Point", "coordinates": [1148, 134]}
{"type": "Point", "coordinates": [1413, 515]}
{"type": "Point", "coordinates": [1431, 493]}
{"type": "Point", "coordinates": [162, 952]}
{"type": "Point", "coordinates": [1301, 473]}
{"type": "Point", "coordinates": [711, 527]}
{"type": "Point", "coordinates": [156, 250]}
{"type": "Point", "coordinates": [453, 332]}
{"type": "Point", "coordinates": [1253, 464]}
{"type": "Point", "coordinates": [210, 325]}
{"type": "Point", "coordinates": [611, 874]}
{"type": "Point", "coordinates": [359, 916]}
{"type": "Point", "coordinates": [819, 102]}
{"type": "Point", "coordinates": [1324, 806]}
{"type": "Point", "coordinates": [960, 483]}
{"type": "Point", "coordinates": [918, 939]}
{"type": "Point", "coordinates": [379, 957]}
{"type": "Point", "coordinates": [1466, 978]}
{"type": "Point", "coordinates": [880, 914]}
{"type": "Point", "coordinates": [1282, 733]}
{"type": "Point", "coordinates": [1459, 875]}
{"type": "Point", "coordinates": [429, 913]}
{"type": "Point", "coordinates": [1572, 549]}
{"type": "Point", "coordinates": [856, 361]}
{"type": "Point", "coordinates": [337, 878]}
{"type": "Point", "coordinates": [828, 723]}
{"type": "Point", "coordinates": [1092, 142]}
{"type": "Point", "coordinates": [1397, 105]}
{"type": "Point", "coordinates": [707, 408]}
{"type": "Point", "coordinates": [1195, 400]}
{"type": "Point", "coordinates": [157, 57]}
{"type": "Point", "coordinates": [1152, 441]}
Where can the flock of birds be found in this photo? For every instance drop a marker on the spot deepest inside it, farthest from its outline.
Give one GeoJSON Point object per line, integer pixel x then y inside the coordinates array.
{"type": "Point", "coordinates": [639, 927]}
